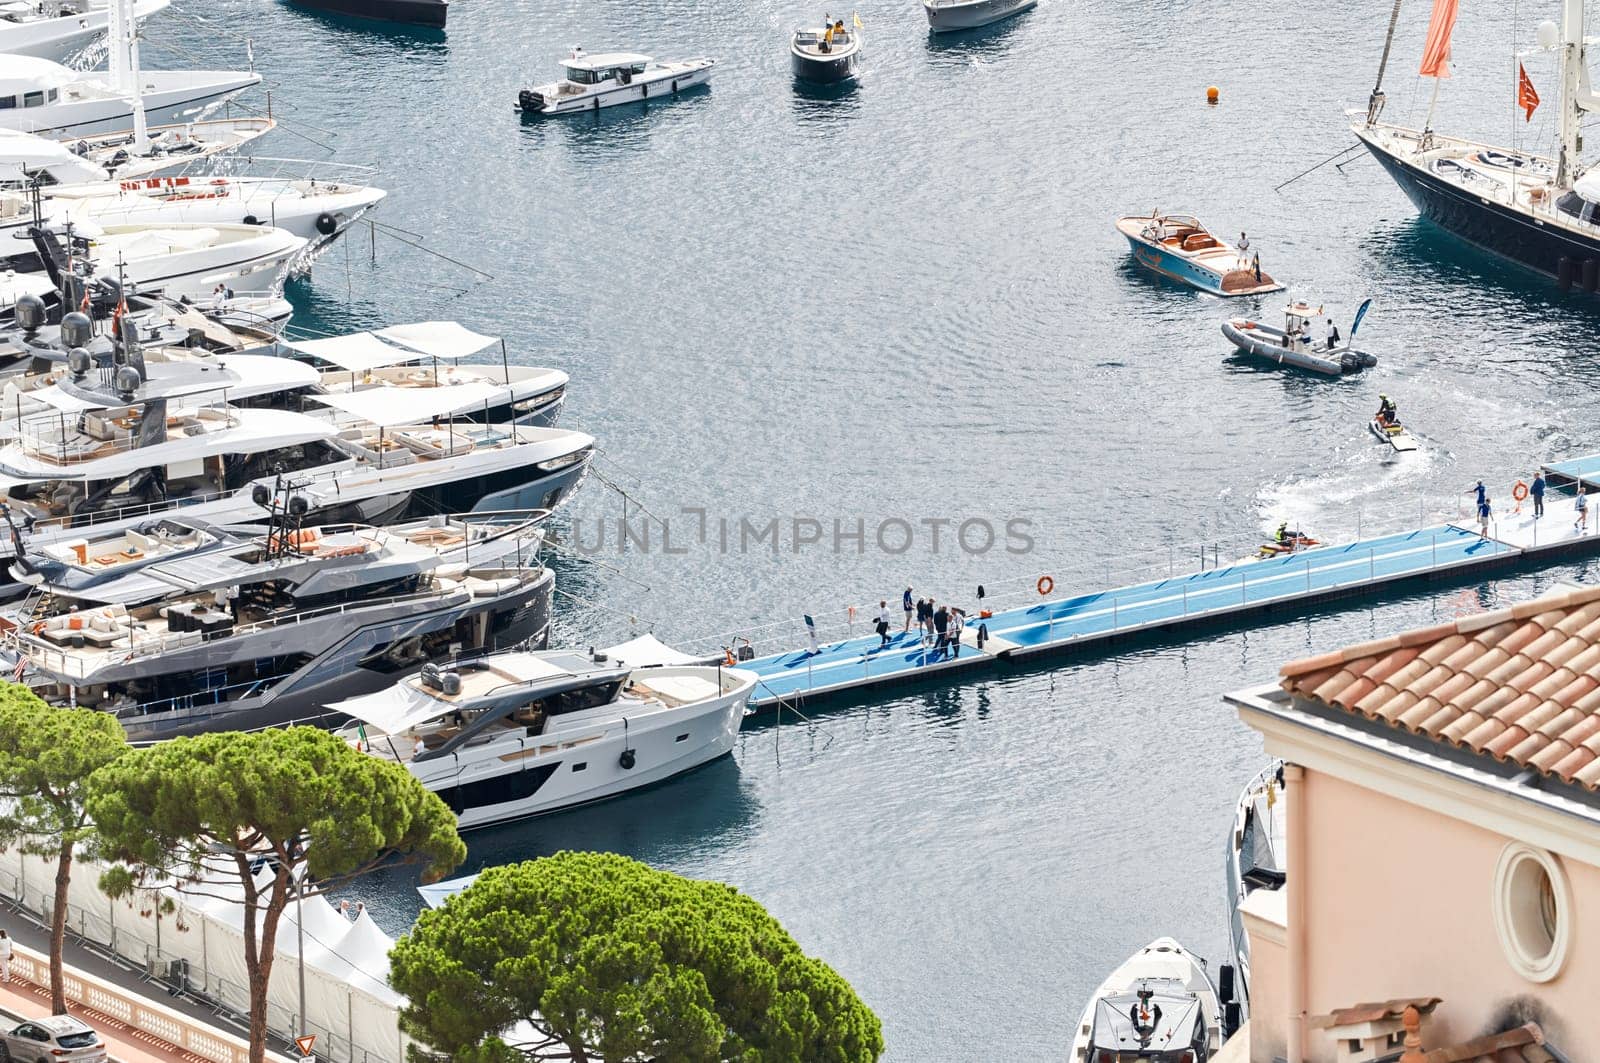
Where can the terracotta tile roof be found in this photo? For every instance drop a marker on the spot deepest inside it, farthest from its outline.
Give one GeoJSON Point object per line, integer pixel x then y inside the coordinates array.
{"type": "Point", "coordinates": [1521, 685]}
{"type": "Point", "coordinates": [1525, 1044]}
{"type": "Point", "coordinates": [1371, 1012]}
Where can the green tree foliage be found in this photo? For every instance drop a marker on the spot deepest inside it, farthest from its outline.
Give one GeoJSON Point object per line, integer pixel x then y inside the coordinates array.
{"type": "Point", "coordinates": [606, 957]}
{"type": "Point", "coordinates": [220, 807]}
{"type": "Point", "coordinates": [46, 757]}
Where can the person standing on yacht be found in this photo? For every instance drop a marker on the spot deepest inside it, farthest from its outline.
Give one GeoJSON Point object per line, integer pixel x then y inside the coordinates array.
{"type": "Point", "coordinates": [1244, 251]}
{"type": "Point", "coordinates": [1538, 495]}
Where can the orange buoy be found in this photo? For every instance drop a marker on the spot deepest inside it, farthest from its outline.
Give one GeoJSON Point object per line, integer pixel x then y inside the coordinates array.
{"type": "Point", "coordinates": [1213, 94]}
{"type": "Point", "coordinates": [1045, 585]}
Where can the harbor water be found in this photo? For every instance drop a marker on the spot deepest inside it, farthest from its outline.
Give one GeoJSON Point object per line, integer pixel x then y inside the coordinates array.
{"type": "Point", "coordinates": [861, 314]}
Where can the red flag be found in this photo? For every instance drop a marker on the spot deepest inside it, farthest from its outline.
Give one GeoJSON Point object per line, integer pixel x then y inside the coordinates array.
{"type": "Point", "coordinates": [116, 318]}
{"type": "Point", "coordinates": [83, 304]}
{"type": "Point", "coordinates": [1527, 99]}
{"type": "Point", "coordinates": [1436, 52]}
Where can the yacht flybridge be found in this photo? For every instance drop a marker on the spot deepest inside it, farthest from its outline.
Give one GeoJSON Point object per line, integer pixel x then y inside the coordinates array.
{"type": "Point", "coordinates": [376, 369]}
{"type": "Point", "coordinates": [609, 78]}
{"type": "Point", "coordinates": [1540, 210]}
{"type": "Point", "coordinates": [521, 734]}
{"type": "Point", "coordinates": [58, 29]}
{"type": "Point", "coordinates": [177, 626]}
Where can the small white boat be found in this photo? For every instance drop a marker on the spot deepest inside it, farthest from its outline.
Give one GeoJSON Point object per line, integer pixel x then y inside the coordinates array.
{"type": "Point", "coordinates": [947, 16]}
{"type": "Point", "coordinates": [1160, 1007]}
{"type": "Point", "coordinates": [611, 78]}
{"type": "Point", "coordinates": [1257, 860]}
{"type": "Point", "coordinates": [520, 734]}
{"type": "Point", "coordinates": [1178, 247]}
{"type": "Point", "coordinates": [56, 29]}
{"type": "Point", "coordinates": [38, 96]}
{"type": "Point", "coordinates": [828, 55]}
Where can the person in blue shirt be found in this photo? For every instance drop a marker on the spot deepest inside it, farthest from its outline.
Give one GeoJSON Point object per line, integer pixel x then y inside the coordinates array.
{"type": "Point", "coordinates": [1538, 495]}
{"type": "Point", "coordinates": [905, 603]}
{"type": "Point", "coordinates": [1582, 506]}
{"type": "Point", "coordinates": [1483, 493]}
{"type": "Point", "coordinates": [1484, 513]}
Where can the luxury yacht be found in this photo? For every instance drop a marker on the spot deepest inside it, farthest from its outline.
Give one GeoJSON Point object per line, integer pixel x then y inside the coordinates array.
{"type": "Point", "coordinates": [948, 16]}
{"type": "Point", "coordinates": [609, 78]}
{"type": "Point", "coordinates": [38, 96]}
{"type": "Point", "coordinates": [126, 440]}
{"type": "Point", "coordinates": [228, 630]}
{"type": "Point", "coordinates": [389, 365]}
{"type": "Point", "coordinates": [58, 29]}
{"type": "Point", "coordinates": [1257, 859]}
{"type": "Point", "coordinates": [521, 734]}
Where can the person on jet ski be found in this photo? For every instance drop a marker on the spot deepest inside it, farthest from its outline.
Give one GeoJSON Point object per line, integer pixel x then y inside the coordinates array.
{"type": "Point", "coordinates": [1282, 535]}
{"type": "Point", "coordinates": [1387, 414]}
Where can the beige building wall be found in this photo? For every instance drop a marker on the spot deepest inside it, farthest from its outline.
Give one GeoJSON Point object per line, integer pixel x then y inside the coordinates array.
{"type": "Point", "coordinates": [1400, 902]}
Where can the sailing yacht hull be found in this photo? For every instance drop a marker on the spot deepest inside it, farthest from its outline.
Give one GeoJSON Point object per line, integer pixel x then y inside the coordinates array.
{"type": "Point", "coordinates": [1494, 227]}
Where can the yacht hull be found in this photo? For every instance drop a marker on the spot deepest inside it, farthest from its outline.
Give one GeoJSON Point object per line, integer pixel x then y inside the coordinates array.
{"type": "Point", "coordinates": [1494, 227]}
{"type": "Point", "coordinates": [412, 12]}
{"type": "Point", "coordinates": [649, 86]}
{"type": "Point", "coordinates": [173, 99]}
{"type": "Point", "coordinates": [58, 39]}
{"type": "Point", "coordinates": [351, 665]}
{"type": "Point", "coordinates": [950, 18]}
{"type": "Point", "coordinates": [835, 70]}
{"type": "Point", "coordinates": [661, 751]}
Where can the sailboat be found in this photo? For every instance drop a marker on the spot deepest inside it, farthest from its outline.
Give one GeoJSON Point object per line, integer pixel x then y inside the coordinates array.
{"type": "Point", "coordinates": [1540, 211]}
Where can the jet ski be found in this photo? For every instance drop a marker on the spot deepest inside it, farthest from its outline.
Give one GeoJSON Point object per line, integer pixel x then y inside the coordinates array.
{"type": "Point", "coordinates": [1292, 542]}
{"type": "Point", "coordinates": [1393, 434]}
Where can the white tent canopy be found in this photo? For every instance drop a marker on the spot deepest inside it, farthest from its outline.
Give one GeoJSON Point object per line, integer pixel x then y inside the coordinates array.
{"type": "Point", "coordinates": [439, 339]}
{"type": "Point", "coordinates": [648, 650]}
{"type": "Point", "coordinates": [356, 352]}
{"type": "Point", "coordinates": [400, 406]}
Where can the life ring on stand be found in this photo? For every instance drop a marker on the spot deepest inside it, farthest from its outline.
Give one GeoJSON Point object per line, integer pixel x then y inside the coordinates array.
{"type": "Point", "coordinates": [1520, 491]}
{"type": "Point", "coordinates": [1045, 585]}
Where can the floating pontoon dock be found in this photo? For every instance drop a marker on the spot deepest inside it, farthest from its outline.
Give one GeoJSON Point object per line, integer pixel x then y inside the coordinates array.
{"type": "Point", "coordinates": [1245, 587]}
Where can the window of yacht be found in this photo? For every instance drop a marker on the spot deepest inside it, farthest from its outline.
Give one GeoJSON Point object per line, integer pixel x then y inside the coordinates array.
{"type": "Point", "coordinates": [637, 68]}
{"type": "Point", "coordinates": [33, 99]}
{"type": "Point", "coordinates": [7, 102]}
{"type": "Point", "coordinates": [55, 94]}
{"type": "Point", "coordinates": [581, 77]}
{"type": "Point", "coordinates": [583, 698]}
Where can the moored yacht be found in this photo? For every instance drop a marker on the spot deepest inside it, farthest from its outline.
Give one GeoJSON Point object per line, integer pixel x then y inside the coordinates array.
{"type": "Point", "coordinates": [947, 16]}
{"type": "Point", "coordinates": [236, 630]}
{"type": "Point", "coordinates": [38, 96]}
{"type": "Point", "coordinates": [1158, 1007]}
{"type": "Point", "coordinates": [522, 734]}
{"type": "Point", "coordinates": [610, 78]}
{"type": "Point", "coordinates": [387, 365]}
{"type": "Point", "coordinates": [1257, 859]}
{"type": "Point", "coordinates": [56, 29]}
{"type": "Point", "coordinates": [829, 55]}
{"type": "Point", "coordinates": [1541, 211]}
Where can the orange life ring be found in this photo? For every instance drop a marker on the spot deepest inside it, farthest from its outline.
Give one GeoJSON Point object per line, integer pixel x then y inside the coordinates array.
{"type": "Point", "coordinates": [728, 658]}
{"type": "Point", "coordinates": [1045, 585]}
{"type": "Point", "coordinates": [1520, 491]}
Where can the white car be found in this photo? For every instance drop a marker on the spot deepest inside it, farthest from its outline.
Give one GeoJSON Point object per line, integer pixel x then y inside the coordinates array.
{"type": "Point", "coordinates": [58, 1039]}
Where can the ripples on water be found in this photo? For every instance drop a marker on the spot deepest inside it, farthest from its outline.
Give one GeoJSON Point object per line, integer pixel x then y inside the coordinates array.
{"type": "Point", "coordinates": [906, 299]}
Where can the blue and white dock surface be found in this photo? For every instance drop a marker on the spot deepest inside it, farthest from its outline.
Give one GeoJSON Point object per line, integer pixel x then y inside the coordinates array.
{"type": "Point", "coordinates": [1244, 587]}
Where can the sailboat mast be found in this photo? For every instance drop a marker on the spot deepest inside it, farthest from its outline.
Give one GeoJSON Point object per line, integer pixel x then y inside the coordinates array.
{"type": "Point", "coordinates": [1375, 101]}
{"type": "Point", "coordinates": [141, 133]}
{"type": "Point", "coordinates": [1572, 79]}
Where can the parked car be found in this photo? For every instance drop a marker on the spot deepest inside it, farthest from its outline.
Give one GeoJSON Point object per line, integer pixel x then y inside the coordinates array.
{"type": "Point", "coordinates": [58, 1039]}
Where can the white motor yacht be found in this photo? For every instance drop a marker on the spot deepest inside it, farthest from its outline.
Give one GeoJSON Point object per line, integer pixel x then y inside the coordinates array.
{"type": "Point", "coordinates": [524, 733]}
{"type": "Point", "coordinates": [58, 29]}
{"type": "Point", "coordinates": [610, 78]}
{"type": "Point", "coordinates": [38, 96]}
{"type": "Point", "coordinates": [1257, 860]}
{"type": "Point", "coordinates": [949, 16]}
{"type": "Point", "coordinates": [181, 259]}
{"type": "Point", "coordinates": [28, 161]}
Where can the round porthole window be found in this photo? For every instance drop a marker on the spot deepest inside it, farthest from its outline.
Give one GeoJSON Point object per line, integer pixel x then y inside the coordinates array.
{"type": "Point", "coordinates": [1532, 911]}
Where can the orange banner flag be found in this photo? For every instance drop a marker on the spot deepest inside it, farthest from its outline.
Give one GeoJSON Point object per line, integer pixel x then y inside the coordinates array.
{"type": "Point", "coordinates": [1436, 51]}
{"type": "Point", "coordinates": [1527, 98]}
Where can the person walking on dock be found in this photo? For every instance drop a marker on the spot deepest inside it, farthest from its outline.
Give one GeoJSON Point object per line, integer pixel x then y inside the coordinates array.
{"type": "Point", "coordinates": [1485, 511]}
{"type": "Point", "coordinates": [1582, 506]}
{"type": "Point", "coordinates": [941, 627]}
{"type": "Point", "coordinates": [883, 622]}
{"type": "Point", "coordinates": [925, 618]}
{"type": "Point", "coordinates": [958, 623]}
{"type": "Point", "coordinates": [5, 957]}
{"type": "Point", "coordinates": [1538, 495]}
{"type": "Point", "coordinates": [905, 602]}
